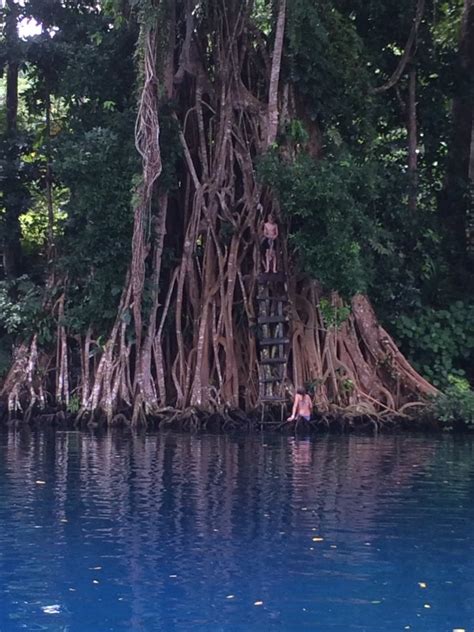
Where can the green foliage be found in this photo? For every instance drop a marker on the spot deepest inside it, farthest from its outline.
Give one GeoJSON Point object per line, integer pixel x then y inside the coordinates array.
{"type": "Point", "coordinates": [326, 62]}
{"type": "Point", "coordinates": [21, 314]}
{"type": "Point", "coordinates": [95, 161]}
{"type": "Point", "coordinates": [87, 72]}
{"type": "Point", "coordinates": [333, 315]}
{"type": "Point", "coordinates": [295, 132]}
{"type": "Point", "coordinates": [347, 386]}
{"type": "Point", "coordinates": [34, 223]}
{"type": "Point", "coordinates": [326, 204]}
{"type": "Point", "coordinates": [96, 242]}
{"type": "Point", "coordinates": [455, 406]}
{"type": "Point", "coordinates": [262, 15]}
{"type": "Point", "coordinates": [22, 311]}
{"type": "Point", "coordinates": [440, 342]}
{"type": "Point", "coordinates": [74, 405]}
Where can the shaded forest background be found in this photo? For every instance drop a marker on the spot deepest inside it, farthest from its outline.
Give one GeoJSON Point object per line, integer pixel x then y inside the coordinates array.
{"type": "Point", "coordinates": [370, 171]}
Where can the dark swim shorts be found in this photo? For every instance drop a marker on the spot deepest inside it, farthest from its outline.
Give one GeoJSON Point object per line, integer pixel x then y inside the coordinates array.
{"type": "Point", "coordinates": [267, 243]}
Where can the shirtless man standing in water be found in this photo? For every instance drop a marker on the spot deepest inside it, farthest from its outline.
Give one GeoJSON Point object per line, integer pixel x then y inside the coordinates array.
{"type": "Point", "coordinates": [270, 234]}
{"type": "Point", "coordinates": [302, 406]}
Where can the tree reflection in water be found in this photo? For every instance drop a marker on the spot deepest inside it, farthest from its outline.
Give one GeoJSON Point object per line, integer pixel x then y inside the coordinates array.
{"type": "Point", "coordinates": [166, 519]}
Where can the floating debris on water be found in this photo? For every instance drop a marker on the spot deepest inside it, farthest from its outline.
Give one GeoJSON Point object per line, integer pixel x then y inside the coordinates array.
{"type": "Point", "coordinates": [258, 603]}
{"type": "Point", "coordinates": [54, 608]}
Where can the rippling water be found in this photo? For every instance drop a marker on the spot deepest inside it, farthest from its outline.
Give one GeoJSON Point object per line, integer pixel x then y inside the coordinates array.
{"type": "Point", "coordinates": [181, 532]}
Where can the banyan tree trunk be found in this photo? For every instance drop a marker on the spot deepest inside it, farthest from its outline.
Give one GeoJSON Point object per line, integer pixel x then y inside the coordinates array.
{"type": "Point", "coordinates": [195, 342]}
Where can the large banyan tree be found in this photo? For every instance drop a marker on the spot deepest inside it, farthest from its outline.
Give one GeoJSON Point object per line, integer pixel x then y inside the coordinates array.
{"type": "Point", "coordinates": [217, 74]}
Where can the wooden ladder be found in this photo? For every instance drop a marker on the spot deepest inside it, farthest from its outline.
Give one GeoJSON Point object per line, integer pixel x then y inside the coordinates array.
{"type": "Point", "coordinates": [273, 339]}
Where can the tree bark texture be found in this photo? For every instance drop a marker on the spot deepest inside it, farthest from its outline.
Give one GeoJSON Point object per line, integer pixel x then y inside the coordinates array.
{"type": "Point", "coordinates": [12, 254]}
{"type": "Point", "coordinates": [193, 343]}
{"type": "Point", "coordinates": [412, 140]}
{"type": "Point", "coordinates": [456, 202]}
{"type": "Point", "coordinates": [273, 113]}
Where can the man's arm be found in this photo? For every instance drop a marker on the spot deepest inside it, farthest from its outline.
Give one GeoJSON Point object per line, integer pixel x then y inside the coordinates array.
{"type": "Point", "coordinates": [295, 406]}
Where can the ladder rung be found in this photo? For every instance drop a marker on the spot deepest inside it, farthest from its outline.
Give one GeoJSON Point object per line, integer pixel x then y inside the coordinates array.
{"type": "Point", "coordinates": [273, 361]}
{"type": "Point", "coordinates": [274, 341]}
{"type": "Point", "coordinates": [266, 320]}
{"type": "Point", "coordinates": [268, 277]}
{"type": "Point", "coordinates": [273, 398]}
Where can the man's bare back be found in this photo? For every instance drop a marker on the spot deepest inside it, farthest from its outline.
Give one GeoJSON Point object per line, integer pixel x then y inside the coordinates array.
{"type": "Point", "coordinates": [302, 406]}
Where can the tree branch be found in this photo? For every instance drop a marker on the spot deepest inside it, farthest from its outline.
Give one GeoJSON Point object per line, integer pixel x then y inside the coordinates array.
{"type": "Point", "coordinates": [272, 124]}
{"type": "Point", "coordinates": [420, 7]}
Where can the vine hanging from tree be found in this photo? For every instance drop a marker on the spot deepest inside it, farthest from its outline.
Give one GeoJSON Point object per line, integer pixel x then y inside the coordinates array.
{"type": "Point", "coordinates": [184, 336]}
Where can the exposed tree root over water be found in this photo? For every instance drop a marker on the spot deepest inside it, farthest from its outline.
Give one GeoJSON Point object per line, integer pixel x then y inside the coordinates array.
{"type": "Point", "coordinates": [197, 420]}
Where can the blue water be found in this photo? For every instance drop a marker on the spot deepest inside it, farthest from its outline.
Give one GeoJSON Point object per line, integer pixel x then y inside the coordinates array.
{"type": "Point", "coordinates": [181, 532]}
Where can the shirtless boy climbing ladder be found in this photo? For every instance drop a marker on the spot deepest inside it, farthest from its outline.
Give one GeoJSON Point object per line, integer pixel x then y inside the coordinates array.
{"type": "Point", "coordinates": [270, 234]}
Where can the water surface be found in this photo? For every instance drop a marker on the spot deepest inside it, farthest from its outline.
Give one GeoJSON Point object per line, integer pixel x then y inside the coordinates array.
{"type": "Point", "coordinates": [180, 532]}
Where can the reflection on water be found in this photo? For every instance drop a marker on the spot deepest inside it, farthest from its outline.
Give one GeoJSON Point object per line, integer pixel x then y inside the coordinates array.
{"type": "Point", "coordinates": [180, 532]}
